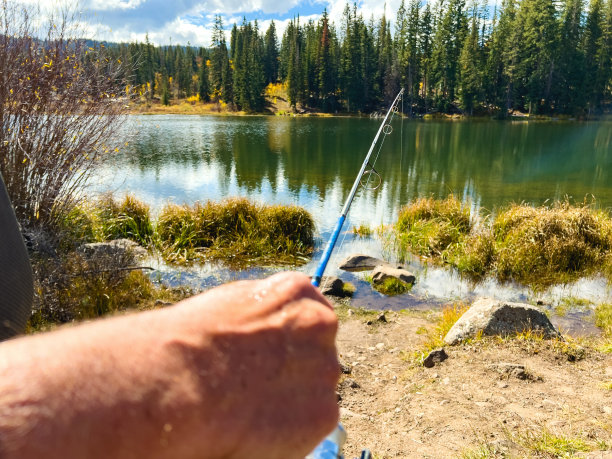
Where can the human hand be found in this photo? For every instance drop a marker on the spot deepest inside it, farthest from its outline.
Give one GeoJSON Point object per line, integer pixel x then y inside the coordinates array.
{"type": "Point", "coordinates": [275, 364]}
{"type": "Point", "coordinates": [248, 369]}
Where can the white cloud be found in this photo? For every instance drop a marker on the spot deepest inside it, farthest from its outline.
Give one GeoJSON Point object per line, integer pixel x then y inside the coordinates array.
{"type": "Point", "coordinates": [182, 21]}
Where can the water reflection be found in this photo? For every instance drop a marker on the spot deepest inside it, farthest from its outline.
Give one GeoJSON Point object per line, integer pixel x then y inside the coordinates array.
{"type": "Point", "coordinates": [312, 162]}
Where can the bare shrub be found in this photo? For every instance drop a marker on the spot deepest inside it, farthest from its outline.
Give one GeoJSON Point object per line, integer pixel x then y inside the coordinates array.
{"type": "Point", "coordinates": [59, 106]}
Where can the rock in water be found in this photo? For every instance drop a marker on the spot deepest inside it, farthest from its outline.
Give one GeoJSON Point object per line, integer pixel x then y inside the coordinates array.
{"type": "Point", "coordinates": [332, 285]}
{"type": "Point", "coordinates": [382, 272]}
{"type": "Point", "coordinates": [493, 317]}
{"type": "Point", "coordinates": [361, 263]}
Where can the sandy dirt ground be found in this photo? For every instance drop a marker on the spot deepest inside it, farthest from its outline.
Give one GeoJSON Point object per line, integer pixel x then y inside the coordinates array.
{"type": "Point", "coordinates": [469, 405]}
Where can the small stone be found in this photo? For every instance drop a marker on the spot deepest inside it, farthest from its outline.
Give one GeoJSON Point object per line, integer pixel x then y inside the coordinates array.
{"type": "Point", "coordinates": [607, 409]}
{"type": "Point", "coordinates": [380, 346]}
{"type": "Point", "coordinates": [446, 381]}
{"type": "Point", "coordinates": [502, 385]}
{"type": "Point", "coordinates": [371, 348]}
{"type": "Point", "coordinates": [436, 356]}
{"type": "Point", "coordinates": [398, 409]}
{"type": "Point", "coordinates": [382, 318]}
{"type": "Point", "coordinates": [345, 368]}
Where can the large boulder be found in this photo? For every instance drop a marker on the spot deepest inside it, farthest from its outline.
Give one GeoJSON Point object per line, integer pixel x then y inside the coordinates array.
{"type": "Point", "coordinates": [383, 272]}
{"type": "Point", "coordinates": [493, 317]}
{"type": "Point", "coordinates": [361, 262]}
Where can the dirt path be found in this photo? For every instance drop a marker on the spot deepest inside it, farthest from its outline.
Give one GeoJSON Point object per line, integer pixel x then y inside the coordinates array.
{"type": "Point", "coordinates": [464, 407]}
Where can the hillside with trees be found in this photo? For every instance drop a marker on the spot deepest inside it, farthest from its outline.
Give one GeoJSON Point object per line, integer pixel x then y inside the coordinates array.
{"type": "Point", "coordinates": [529, 56]}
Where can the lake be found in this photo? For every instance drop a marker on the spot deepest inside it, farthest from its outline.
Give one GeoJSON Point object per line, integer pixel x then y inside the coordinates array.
{"type": "Point", "coordinates": [312, 162]}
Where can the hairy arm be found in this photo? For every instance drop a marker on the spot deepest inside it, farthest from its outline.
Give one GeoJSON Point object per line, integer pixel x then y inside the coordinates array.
{"type": "Point", "coordinates": [246, 370]}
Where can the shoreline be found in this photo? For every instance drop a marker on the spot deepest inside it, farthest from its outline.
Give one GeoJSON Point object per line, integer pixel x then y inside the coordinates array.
{"type": "Point", "coordinates": [216, 109]}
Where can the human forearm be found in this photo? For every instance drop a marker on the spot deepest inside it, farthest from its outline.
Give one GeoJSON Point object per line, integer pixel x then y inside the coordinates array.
{"type": "Point", "coordinates": [181, 382]}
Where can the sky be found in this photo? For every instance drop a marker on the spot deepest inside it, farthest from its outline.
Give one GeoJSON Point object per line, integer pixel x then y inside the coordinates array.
{"type": "Point", "coordinates": [183, 21]}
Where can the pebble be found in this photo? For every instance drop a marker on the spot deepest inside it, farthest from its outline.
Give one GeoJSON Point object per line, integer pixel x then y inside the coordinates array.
{"type": "Point", "coordinates": [607, 410]}
{"type": "Point", "coordinates": [380, 346]}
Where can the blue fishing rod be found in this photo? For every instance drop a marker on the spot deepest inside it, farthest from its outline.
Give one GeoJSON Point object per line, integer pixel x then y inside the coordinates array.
{"type": "Point", "coordinates": [331, 446]}
{"type": "Point", "coordinates": [316, 279]}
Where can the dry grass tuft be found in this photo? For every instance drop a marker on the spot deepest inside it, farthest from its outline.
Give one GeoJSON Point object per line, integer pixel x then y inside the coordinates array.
{"type": "Point", "coordinates": [430, 227]}
{"type": "Point", "coordinates": [536, 246]}
{"type": "Point", "coordinates": [236, 231]}
{"type": "Point", "coordinates": [553, 244]}
{"type": "Point", "coordinates": [104, 220]}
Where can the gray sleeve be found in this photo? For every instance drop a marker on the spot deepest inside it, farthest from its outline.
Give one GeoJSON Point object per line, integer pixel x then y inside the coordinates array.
{"type": "Point", "coordinates": [16, 283]}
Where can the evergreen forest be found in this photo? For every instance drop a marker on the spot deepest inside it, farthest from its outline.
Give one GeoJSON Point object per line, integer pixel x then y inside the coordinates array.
{"type": "Point", "coordinates": [541, 57]}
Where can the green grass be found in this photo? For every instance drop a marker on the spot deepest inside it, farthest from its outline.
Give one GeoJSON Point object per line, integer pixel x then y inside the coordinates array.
{"type": "Point", "coordinates": [544, 443]}
{"type": "Point", "coordinates": [434, 336]}
{"type": "Point", "coordinates": [362, 231]}
{"type": "Point", "coordinates": [107, 219]}
{"type": "Point", "coordinates": [236, 231]}
{"type": "Point", "coordinates": [73, 287]}
{"type": "Point", "coordinates": [431, 228]}
{"type": "Point", "coordinates": [535, 246]}
{"type": "Point", "coordinates": [390, 286]}
{"type": "Point", "coordinates": [603, 319]}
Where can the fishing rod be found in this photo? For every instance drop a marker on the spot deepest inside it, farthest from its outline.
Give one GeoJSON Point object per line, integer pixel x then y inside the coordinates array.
{"type": "Point", "coordinates": [330, 447]}
{"type": "Point", "coordinates": [316, 279]}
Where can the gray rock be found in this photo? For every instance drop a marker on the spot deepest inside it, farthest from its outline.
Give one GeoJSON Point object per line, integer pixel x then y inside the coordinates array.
{"type": "Point", "coordinates": [382, 318]}
{"type": "Point", "coordinates": [361, 262]}
{"type": "Point", "coordinates": [332, 285]}
{"type": "Point", "coordinates": [116, 248]}
{"type": "Point", "coordinates": [382, 272]}
{"type": "Point", "coordinates": [493, 317]}
{"type": "Point", "coordinates": [436, 356]}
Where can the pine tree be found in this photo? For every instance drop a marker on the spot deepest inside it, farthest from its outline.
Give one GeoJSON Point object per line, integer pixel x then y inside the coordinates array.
{"type": "Point", "coordinates": [470, 65]}
{"type": "Point", "coordinates": [447, 45]}
{"type": "Point", "coordinates": [593, 34]}
{"type": "Point", "coordinates": [203, 79]}
{"type": "Point", "coordinates": [326, 76]}
{"type": "Point", "coordinates": [220, 71]}
{"type": "Point", "coordinates": [536, 23]}
{"type": "Point", "coordinates": [569, 87]}
{"type": "Point", "coordinates": [425, 51]}
{"type": "Point", "coordinates": [271, 54]}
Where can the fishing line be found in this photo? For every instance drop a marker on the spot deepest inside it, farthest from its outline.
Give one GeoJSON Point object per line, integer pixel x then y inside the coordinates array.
{"type": "Point", "coordinates": [387, 130]}
{"type": "Point", "coordinates": [402, 139]}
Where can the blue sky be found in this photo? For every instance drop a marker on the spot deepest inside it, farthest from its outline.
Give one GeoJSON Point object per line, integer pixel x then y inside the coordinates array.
{"type": "Point", "coordinates": [182, 21]}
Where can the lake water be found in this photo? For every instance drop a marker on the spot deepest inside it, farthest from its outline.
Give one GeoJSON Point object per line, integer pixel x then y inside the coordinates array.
{"type": "Point", "coordinates": [312, 162]}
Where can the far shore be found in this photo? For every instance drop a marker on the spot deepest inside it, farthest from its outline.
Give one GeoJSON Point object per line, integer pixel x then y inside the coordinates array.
{"type": "Point", "coordinates": [221, 109]}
